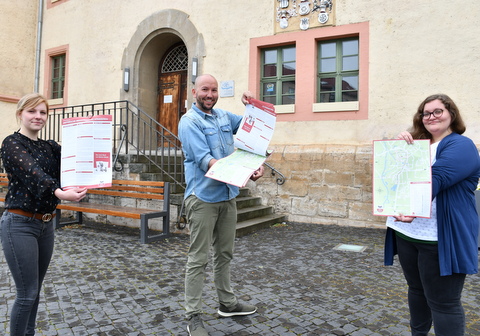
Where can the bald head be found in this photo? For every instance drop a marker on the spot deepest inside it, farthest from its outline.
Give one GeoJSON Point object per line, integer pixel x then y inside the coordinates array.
{"type": "Point", "coordinates": [205, 92]}
{"type": "Point", "coordinates": [205, 77]}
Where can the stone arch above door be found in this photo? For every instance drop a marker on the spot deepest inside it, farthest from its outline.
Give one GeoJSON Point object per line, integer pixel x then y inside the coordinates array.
{"type": "Point", "coordinates": [165, 27]}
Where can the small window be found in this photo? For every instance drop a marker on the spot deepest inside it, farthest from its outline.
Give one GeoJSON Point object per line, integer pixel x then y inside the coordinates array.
{"type": "Point", "coordinates": [58, 76]}
{"type": "Point", "coordinates": [176, 60]}
{"type": "Point", "coordinates": [338, 70]}
{"type": "Point", "coordinates": [278, 75]}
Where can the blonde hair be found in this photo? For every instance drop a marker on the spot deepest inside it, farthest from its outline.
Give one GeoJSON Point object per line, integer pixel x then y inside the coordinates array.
{"type": "Point", "coordinates": [29, 101]}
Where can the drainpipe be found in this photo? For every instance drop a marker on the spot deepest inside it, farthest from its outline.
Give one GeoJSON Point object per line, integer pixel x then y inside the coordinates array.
{"type": "Point", "coordinates": [39, 44]}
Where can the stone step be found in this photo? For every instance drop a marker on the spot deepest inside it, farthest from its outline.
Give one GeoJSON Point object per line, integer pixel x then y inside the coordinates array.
{"type": "Point", "coordinates": [145, 167]}
{"type": "Point", "coordinates": [251, 225]}
{"type": "Point", "coordinates": [174, 188]}
{"type": "Point", "coordinates": [253, 212]}
{"type": "Point", "coordinates": [248, 201]}
{"type": "Point", "coordinates": [129, 158]}
{"type": "Point", "coordinates": [244, 192]}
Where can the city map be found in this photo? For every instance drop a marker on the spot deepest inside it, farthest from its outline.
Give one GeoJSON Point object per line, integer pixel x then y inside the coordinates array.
{"type": "Point", "coordinates": [402, 178]}
{"type": "Point", "coordinates": [237, 169]}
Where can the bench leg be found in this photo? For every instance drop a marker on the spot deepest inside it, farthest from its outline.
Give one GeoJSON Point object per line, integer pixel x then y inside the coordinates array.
{"type": "Point", "coordinates": [58, 215]}
{"type": "Point", "coordinates": [56, 220]}
{"type": "Point", "coordinates": [166, 226]}
{"type": "Point", "coordinates": [144, 230]}
{"type": "Point", "coordinates": [145, 238]}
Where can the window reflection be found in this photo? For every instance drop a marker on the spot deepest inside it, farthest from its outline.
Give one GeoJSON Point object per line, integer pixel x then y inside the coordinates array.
{"type": "Point", "coordinates": [289, 69]}
{"type": "Point", "coordinates": [338, 68]}
{"type": "Point", "coordinates": [270, 70]}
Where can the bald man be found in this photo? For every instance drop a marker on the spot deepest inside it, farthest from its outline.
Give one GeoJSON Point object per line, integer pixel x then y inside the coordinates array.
{"type": "Point", "coordinates": [207, 136]}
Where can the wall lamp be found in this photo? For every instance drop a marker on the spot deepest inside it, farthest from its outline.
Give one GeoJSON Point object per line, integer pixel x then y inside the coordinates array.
{"type": "Point", "coordinates": [194, 69]}
{"type": "Point", "coordinates": [126, 79]}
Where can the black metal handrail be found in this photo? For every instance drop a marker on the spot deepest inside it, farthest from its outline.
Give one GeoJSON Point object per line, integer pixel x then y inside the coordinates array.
{"type": "Point", "coordinates": [281, 178]}
{"type": "Point", "coordinates": [134, 132]}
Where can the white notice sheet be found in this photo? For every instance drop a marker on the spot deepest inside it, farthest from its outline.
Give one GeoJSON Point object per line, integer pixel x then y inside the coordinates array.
{"type": "Point", "coordinates": [252, 140]}
{"type": "Point", "coordinates": [86, 152]}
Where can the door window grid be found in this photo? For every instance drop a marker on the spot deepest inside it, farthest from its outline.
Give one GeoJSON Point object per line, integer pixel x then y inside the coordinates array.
{"type": "Point", "coordinates": [176, 60]}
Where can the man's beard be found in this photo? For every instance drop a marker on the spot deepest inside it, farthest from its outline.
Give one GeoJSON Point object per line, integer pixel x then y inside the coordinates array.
{"type": "Point", "coordinates": [205, 108]}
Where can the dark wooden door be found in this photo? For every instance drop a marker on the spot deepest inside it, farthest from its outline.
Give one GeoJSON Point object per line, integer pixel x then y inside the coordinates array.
{"type": "Point", "coordinates": [171, 99]}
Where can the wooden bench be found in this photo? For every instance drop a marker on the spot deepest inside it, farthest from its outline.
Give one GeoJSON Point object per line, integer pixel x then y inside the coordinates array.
{"type": "Point", "coordinates": [3, 186]}
{"type": "Point", "coordinates": [147, 190]}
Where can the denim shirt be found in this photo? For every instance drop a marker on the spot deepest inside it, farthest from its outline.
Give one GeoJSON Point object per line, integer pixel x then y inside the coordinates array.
{"type": "Point", "coordinates": [205, 137]}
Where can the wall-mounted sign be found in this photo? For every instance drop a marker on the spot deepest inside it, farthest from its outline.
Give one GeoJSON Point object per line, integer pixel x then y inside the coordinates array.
{"type": "Point", "coordinates": [227, 88]}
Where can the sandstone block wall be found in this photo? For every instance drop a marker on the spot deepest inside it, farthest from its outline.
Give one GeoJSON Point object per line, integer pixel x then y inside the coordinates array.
{"type": "Point", "coordinates": [325, 184]}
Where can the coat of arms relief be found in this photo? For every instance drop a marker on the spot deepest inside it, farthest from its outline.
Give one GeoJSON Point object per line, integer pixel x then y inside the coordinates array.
{"type": "Point", "coordinates": [305, 13]}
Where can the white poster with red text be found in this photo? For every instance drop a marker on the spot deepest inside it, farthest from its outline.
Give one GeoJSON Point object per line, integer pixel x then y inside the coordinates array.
{"type": "Point", "coordinates": [86, 152]}
{"type": "Point", "coordinates": [252, 139]}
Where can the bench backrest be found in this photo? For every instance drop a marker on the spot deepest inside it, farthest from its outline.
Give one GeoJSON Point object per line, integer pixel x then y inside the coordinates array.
{"type": "Point", "coordinates": [122, 188]}
{"type": "Point", "coordinates": [3, 180]}
{"type": "Point", "coordinates": [134, 189]}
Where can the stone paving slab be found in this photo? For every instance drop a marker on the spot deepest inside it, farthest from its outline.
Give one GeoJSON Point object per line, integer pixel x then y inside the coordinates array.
{"type": "Point", "coordinates": [102, 281]}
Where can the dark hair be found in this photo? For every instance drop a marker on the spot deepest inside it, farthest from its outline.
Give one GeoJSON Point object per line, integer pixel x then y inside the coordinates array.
{"type": "Point", "coordinates": [457, 125]}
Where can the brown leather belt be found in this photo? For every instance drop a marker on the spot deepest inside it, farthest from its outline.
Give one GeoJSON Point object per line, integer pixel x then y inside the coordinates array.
{"type": "Point", "coordinates": [43, 217]}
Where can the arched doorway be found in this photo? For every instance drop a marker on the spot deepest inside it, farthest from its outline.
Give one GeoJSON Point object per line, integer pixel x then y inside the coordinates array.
{"type": "Point", "coordinates": [172, 87]}
{"type": "Point", "coordinates": [144, 56]}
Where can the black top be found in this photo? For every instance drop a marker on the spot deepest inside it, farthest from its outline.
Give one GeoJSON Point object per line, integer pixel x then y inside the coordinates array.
{"type": "Point", "coordinates": [33, 169]}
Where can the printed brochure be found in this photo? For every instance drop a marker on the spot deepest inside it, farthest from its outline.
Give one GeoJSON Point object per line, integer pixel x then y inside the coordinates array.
{"type": "Point", "coordinates": [252, 140]}
{"type": "Point", "coordinates": [86, 152]}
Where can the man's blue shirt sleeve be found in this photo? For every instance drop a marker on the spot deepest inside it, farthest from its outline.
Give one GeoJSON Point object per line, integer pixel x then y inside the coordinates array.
{"type": "Point", "coordinates": [196, 148]}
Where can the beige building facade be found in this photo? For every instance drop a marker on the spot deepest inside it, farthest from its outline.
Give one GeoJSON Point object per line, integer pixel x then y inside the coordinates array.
{"type": "Point", "coordinates": [148, 52]}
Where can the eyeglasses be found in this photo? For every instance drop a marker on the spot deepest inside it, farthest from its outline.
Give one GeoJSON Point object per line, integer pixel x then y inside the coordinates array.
{"type": "Point", "coordinates": [436, 113]}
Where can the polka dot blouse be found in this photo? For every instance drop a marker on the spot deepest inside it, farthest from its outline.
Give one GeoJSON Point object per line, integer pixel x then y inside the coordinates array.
{"type": "Point", "coordinates": [33, 169]}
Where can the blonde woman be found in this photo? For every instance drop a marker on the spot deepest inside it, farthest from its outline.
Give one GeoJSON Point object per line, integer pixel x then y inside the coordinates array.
{"type": "Point", "coordinates": [27, 232]}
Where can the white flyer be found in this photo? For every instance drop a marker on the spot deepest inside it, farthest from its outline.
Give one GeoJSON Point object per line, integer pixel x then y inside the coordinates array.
{"type": "Point", "coordinates": [252, 140]}
{"type": "Point", "coordinates": [86, 152]}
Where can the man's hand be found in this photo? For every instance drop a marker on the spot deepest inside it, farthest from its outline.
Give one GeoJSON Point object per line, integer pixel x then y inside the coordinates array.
{"type": "Point", "coordinates": [257, 173]}
{"type": "Point", "coordinates": [211, 163]}
{"type": "Point", "coordinates": [247, 95]}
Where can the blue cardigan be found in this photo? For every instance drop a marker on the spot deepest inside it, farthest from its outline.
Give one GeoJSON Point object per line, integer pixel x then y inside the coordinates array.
{"type": "Point", "coordinates": [455, 175]}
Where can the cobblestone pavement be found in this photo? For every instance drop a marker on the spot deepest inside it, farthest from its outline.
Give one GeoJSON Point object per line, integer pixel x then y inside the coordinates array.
{"type": "Point", "coordinates": [102, 281]}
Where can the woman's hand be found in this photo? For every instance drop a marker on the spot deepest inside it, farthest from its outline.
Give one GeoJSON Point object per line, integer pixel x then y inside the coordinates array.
{"type": "Point", "coordinates": [406, 136]}
{"type": "Point", "coordinates": [402, 218]}
{"type": "Point", "coordinates": [74, 194]}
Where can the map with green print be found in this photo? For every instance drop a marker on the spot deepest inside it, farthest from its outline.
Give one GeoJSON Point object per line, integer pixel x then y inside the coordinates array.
{"type": "Point", "coordinates": [402, 179]}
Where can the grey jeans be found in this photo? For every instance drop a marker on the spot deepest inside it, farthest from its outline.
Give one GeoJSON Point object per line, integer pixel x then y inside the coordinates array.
{"type": "Point", "coordinates": [211, 224]}
{"type": "Point", "coordinates": [28, 247]}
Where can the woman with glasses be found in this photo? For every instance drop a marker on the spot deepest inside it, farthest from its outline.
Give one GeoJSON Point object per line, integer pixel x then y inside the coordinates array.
{"type": "Point", "coordinates": [27, 233]}
{"type": "Point", "coordinates": [436, 253]}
